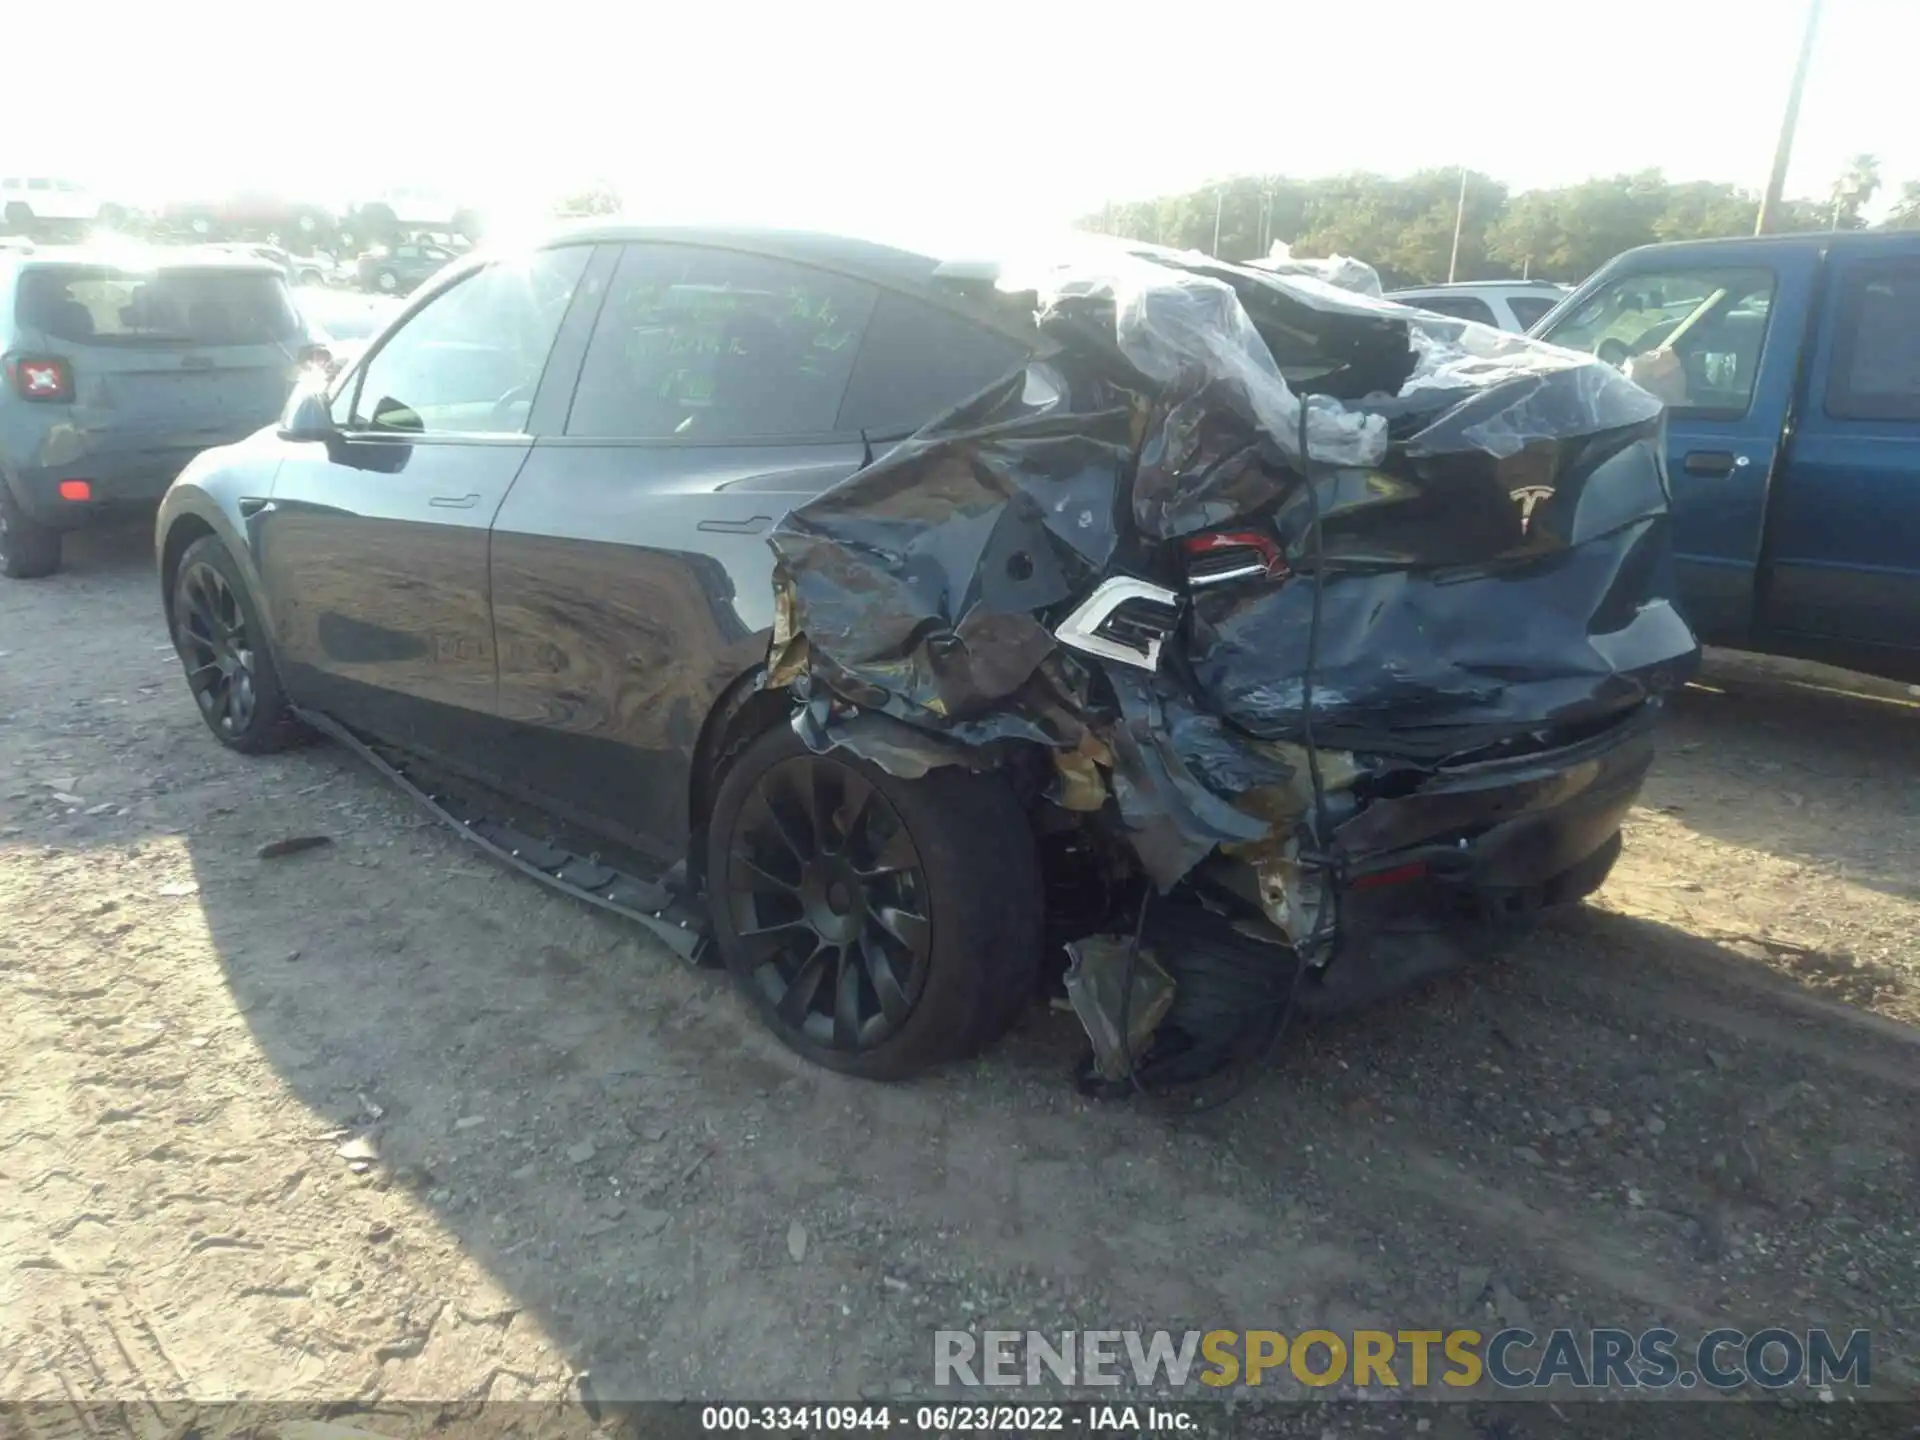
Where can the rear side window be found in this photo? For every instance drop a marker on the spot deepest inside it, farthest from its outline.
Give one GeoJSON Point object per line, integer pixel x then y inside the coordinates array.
{"type": "Point", "coordinates": [94, 305]}
{"type": "Point", "coordinates": [1461, 307]}
{"type": "Point", "coordinates": [918, 362]}
{"type": "Point", "coordinates": [713, 345]}
{"type": "Point", "coordinates": [1876, 353]}
{"type": "Point", "coordinates": [1530, 309]}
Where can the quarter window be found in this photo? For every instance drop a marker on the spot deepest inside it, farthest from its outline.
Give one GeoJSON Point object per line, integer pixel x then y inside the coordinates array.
{"type": "Point", "coordinates": [471, 360]}
{"type": "Point", "coordinates": [918, 362]}
{"type": "Point", "coordinates": [1529, 310]}
{"type": "Point", "coordinates": [713, 345]}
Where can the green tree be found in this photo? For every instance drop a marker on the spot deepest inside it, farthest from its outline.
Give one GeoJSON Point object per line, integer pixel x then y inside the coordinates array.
{"type": "Point", "coordinates": [1403, 226]}
{"type": "Point", "coordinates": [1906, 210]}
{"type": "Point", "coordinates": [1853, 191]}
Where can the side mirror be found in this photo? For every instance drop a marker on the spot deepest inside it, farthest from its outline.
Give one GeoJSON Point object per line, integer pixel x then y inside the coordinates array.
{"type": "Point", "coordinates": [306, 417]}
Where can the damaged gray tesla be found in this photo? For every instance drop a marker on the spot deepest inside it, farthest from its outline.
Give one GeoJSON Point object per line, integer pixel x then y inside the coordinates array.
{"type": "Point", "coordinates": [1309, 633]}
{"type": "Point", "coordinates": [1219, 643]}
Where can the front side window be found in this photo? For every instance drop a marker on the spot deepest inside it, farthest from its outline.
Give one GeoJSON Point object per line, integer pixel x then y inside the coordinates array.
{"type": "Point", "coordinates": [470, 361]}
{"type": "Point", "coordinates": [1691, 337]}
{"type": "Point", "coordinates": [714, 345]}
{"type": "Point", "coordinates": [1876, 352]}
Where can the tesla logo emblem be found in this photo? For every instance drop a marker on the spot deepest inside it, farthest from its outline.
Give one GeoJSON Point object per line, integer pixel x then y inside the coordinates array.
{"type": "Point", "coordinates": [1527, 497]}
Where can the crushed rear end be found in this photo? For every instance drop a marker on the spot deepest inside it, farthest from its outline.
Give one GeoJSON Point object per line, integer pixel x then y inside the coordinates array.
{"type": "Point", "coordinates": [1338, 627]}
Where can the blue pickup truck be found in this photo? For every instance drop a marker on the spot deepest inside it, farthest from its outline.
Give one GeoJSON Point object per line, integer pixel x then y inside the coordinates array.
{"type": "Point", "coordinates": [1791, 368]}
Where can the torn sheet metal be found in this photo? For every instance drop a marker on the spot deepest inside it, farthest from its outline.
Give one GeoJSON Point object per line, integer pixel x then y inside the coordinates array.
{"type": "Point", "coordinates": [1484, 519]}
{"type": "Point", "coordinates": [1096, 983]}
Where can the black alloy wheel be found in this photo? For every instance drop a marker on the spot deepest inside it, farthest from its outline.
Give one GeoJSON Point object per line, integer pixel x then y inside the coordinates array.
{"type": "Point", "coordinates": [213, 640]}
{"type": "Point", "coordinates": [828, 898]}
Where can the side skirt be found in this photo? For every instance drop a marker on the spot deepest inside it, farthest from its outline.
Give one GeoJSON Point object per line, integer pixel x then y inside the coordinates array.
{"type": "Point", "coordinates": [673, 919]}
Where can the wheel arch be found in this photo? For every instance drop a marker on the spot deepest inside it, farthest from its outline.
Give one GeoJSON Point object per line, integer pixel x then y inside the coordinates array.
{"type": "Point", "coordinates": [190, 515]}
{"type": "Point", "coordinates": [744, 711]}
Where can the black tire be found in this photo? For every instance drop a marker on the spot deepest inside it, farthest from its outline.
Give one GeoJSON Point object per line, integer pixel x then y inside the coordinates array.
{"type": "Point", "coordinates": [386, 281]}
{"type": "Point", "coordinates": [964, 888]}
{"type": "Point", "coordinates": [18, 217]}
{"type": "Point", "coordinates": [28, 549]}
{"type": "Point", "coordinates": [223, 648]}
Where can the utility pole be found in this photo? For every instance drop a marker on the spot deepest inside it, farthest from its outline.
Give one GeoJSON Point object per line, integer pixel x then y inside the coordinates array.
{"type": "Point", "coordinates": [1789, 122]}
{"type": "Point", "coordinates": [1219, 209]}
{"type": "Point", "coordinates": [1459, 220]}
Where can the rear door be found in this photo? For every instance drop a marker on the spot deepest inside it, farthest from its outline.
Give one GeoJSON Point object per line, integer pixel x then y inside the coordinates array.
{"type": "Point", "coordinates": [632, 581]}
{"type": "Point", "coordinates": [1734, 321]}
{"type": "Point", "coordinates": [1844, 543]}
{"type": "Point", "coordinates": [169, 361]}
{"type": "Point", "coordinates": [373, 546]}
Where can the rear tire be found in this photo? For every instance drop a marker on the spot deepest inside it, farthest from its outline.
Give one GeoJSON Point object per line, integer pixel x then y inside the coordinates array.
{"type": "Point", "coordinates": [878, 926]}
{"type": "Point", "coordinates": [28, 549]}
{"type": "Point", "coordinates": [223, 648]}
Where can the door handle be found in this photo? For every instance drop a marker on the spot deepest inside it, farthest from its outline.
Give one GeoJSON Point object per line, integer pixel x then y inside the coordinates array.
{"type": "Point", "coordinates": [1714, 464]}
{"type": "Point", "coordinates": [455, 502]}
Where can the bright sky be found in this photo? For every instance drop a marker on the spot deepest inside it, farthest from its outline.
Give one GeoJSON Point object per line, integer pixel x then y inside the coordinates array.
{"type": "Point", "coordinates": [966, 118]}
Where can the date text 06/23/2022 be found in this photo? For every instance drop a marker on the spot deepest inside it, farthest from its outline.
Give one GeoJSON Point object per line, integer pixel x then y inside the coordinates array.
{"type": "Point", "coordinates": [949, 1419]}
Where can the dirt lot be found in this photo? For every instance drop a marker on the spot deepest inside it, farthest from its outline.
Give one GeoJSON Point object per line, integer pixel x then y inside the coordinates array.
{"type": "Point", "coordinates": [1692, 1103]}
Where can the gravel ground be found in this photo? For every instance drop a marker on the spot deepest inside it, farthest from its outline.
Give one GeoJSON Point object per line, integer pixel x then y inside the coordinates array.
{"type": "Point", "coordinates": [379, 1121]}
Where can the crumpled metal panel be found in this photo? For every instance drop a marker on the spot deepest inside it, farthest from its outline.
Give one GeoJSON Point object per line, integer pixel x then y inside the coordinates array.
{"type": "Point", "coordinates": [1493, 551]}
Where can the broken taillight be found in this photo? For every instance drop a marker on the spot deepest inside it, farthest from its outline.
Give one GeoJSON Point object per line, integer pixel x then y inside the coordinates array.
{"type": "Point", "coordinates": [1221, 556]}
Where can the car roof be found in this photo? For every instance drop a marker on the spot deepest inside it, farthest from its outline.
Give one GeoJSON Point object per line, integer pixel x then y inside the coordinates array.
{"type": "Point", "coordinates": [112, 257]}
{"type": "Point", "coordinates": [1804, 239]}
{"type": "Point", "coordinates": [884, 264]}
{"type": "Point", "coordinates": [1453, 285]}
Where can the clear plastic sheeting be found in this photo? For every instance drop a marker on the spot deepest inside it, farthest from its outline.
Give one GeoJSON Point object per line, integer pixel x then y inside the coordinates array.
{"type": "Point", "coordinates": [1342, 271]}
{"type": "Point", "coordinates": [1478, 521]}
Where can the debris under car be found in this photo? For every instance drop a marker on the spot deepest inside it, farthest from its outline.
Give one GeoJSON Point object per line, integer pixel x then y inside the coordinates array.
{"type": "Point", "coordinates": [1317, 632]}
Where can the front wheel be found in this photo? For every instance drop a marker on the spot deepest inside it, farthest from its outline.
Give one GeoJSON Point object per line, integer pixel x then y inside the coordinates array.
{"type": "Point", "coordinates": [386, 282]}
{"type": "Point", "coordinates": [879, 926]}
{"type": "Point", "coordinates": [223, 647]}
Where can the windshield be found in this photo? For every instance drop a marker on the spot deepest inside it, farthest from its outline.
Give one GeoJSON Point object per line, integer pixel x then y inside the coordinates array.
{"type": "Point", "coordinates": [101, 305]}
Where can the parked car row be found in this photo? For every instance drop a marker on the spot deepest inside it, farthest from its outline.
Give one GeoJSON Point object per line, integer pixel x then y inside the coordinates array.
{"type": "Point", "coordinates": [51, 208]}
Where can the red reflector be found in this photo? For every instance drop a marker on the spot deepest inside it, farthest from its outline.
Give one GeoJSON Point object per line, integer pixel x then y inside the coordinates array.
{"type": "Point", "coordinates": [1399, 875]}
{"type": "Point", "coordinates": [76, 489]}
{"type": "Point", "coordinates": [1232, 554]}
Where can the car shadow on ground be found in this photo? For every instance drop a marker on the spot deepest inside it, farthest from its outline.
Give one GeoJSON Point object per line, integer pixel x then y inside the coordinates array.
{"type": "Point", "coordinates": [643, 1173]}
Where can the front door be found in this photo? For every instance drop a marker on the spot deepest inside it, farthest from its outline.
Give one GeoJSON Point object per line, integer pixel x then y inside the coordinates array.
{"type": "Point", "coordinates": [373, 545]}
{"type": "Point", "coordinates": [1720, 343]}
